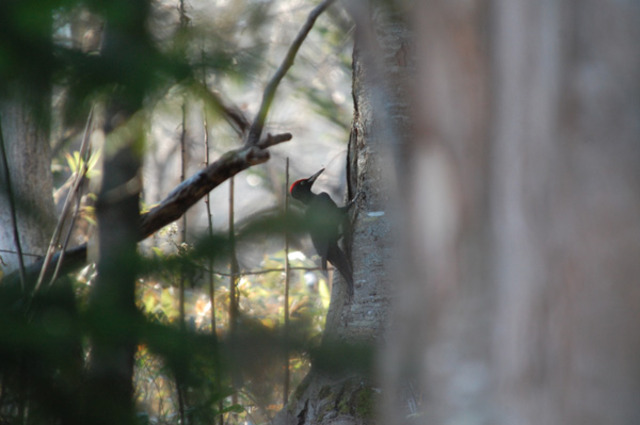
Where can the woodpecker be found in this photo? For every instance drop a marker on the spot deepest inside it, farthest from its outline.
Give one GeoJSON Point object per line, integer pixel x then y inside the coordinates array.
{"type": "Point", "coordinates": [324, 219]}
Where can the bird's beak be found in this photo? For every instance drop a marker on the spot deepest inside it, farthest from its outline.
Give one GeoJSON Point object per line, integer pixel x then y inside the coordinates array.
{"type": "Point", "coordinates": [315, 176]}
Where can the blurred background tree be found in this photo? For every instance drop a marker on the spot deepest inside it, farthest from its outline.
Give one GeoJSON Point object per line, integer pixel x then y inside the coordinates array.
{"type": "Point", "coordinates": [517, 297]}
{"type": "Point", "coordinates": [505, 237]}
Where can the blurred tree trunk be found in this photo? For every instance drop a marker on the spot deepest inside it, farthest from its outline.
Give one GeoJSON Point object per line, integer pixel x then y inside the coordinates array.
{"type": "Point", "coordinates": [521, 299]}
{"type": "Point", "coordinates": [25, 130]}
{"type": "Point", "coordinates": [519, 206]}
{"type": "Point", "coordinates": [110, 395]}
{"type": "Point", "coordinates": [112, 299]}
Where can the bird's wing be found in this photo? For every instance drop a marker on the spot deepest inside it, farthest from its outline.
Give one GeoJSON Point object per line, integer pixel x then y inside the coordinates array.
{"type": "Point", "coordinates": [324, 219]}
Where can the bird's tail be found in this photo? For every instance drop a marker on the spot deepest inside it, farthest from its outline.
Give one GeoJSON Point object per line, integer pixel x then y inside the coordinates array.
{"type": "Point", "coordinates": [338, 258]}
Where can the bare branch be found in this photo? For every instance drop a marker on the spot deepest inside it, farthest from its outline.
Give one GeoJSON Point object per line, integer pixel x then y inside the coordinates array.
{"type": "Point", "coordinates": [196, 187]}
{"type": "Point", "coordinates": [24, 254]}
{"type": "Point", "coordinates": [231, 113]}
{"type": "Point", "coordinates": [276, 270]}
{"type": "Point", "coordinates": [269, 92]}
{"type": "Point", "coordinates": [185, 195]}
{"type": "Point", "coordinates": [271, 140]}
{"type": "Point", "coordinates": [71, 195]}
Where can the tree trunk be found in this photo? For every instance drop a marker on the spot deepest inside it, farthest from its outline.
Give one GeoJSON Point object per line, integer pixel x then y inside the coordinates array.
{"type": "Point", "coordinates": [518, 197]}
{"type": "Point", "coordinates": [25, 133]}
{"type": "Point", "coordinates": [356, 328]}
{"type": "Point", "coordinates": [112, 301]}
{"type": "Point", "coordinates": [110, 394]}
{"type": "Point", "coordinates": [523, 217]}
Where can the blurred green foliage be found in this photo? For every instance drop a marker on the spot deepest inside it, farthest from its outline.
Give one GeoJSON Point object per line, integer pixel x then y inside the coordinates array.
{"type": "Point", "coordinates": [45, 348]}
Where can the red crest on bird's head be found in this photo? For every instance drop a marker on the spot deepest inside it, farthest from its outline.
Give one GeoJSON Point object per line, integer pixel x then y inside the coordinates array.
{"type": "Point", "coordinates": [308, 179]}
{"type": "Point", "coordinates": [294, 184]}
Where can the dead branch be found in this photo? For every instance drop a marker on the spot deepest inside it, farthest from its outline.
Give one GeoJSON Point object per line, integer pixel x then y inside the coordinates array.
{"type": "Point", "coordinates": [196, 187]}
{"type": "Point", "coordinates": [257, 126]}
{"type": "Point", "coordinates": [179, 200]}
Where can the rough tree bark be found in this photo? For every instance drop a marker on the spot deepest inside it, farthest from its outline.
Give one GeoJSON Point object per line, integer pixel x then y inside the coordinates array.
{"type": "Point", "coordinates": [380, 76]}
{"type": "Point", "coordinates": [25, 132]}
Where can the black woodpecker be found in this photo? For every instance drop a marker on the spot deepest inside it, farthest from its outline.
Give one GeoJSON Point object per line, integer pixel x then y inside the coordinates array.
{"type": "Point", "coordinates": [324, 220]}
